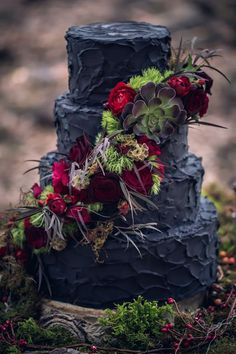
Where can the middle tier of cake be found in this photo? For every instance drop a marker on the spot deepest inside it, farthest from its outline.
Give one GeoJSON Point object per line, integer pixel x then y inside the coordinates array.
{"type": "Point", "coordinates": [73, 120]}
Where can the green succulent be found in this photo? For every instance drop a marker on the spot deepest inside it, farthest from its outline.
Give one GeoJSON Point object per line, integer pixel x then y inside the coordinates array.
{"type": "Point", "coordinates": [156, 112]}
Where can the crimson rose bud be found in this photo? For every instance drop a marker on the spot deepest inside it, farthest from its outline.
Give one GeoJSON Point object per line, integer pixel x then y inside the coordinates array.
{"type": "Point", "coordinates": [104, 188]}
{"type": "Point", "coordinates": [71, 199]}
{"type": "Point", "coordinates": [196, 102]}
{"type": "Point", "coordinates": [56, 203]}
{"type": "Point", "coordinates": [141, 183]}
{"type": "Point", "coordinates": [78, 212]}
{"type": "Point", "coordinates": [80, 150]}
{"type": "Point", "coordinates": [37, 190]}
{"type": "Point", "coordinates": [170, 300]}
{"type": "Point", "coordinates": [181, 84]}
{"type": "Point", "coordinates": [119, 96]}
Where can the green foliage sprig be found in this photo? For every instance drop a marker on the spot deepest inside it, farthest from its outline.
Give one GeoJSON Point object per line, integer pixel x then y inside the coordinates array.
{"type": "Point", "coordinates": [116, 162]}
{"type": "Point", "coordinates": [110, 123]}
{"type": "Point", "coordinates": [148, 75]}
{"type": "Point", "coordinates": [137, 324]}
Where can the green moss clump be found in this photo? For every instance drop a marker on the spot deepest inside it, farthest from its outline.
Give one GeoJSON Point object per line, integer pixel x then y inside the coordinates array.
{"type": "Point", "coordinates": [116, 162]}
{"type": "Point", "coordinates": [137, 324]}
{"type": "Point", "coordinates": [110, 123]}
{"type": "Point", "coordinates": [35, 334]}
{"type": "Point", "coordinates": [148, 75]}
{"type": "Point", "coordinates": [223, 346]}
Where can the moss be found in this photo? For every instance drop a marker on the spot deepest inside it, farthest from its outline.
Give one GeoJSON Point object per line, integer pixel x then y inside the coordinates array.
{"type": "Point", "coordinates": [35, 334]}
{"type": "Point", "coordinates": [110, 123]}
{"type": "Point", "coordinates": [148, 75]}
{"type": "Point", "coordinates": [136, 325]}
{"type": "Point", "coordinates": [223, 346]}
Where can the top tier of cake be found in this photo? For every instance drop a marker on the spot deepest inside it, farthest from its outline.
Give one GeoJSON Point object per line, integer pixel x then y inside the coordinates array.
{"type": "Point", "coordinates": [100, 55]}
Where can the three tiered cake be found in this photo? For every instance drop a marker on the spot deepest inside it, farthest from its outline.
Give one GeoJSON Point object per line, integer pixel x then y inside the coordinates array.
{"type": "Point", "coordinates": [178, 257]}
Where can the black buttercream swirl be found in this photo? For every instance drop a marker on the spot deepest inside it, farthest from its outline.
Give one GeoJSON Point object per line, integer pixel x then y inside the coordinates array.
{"type": "Point", "coordinates": [100, 55]}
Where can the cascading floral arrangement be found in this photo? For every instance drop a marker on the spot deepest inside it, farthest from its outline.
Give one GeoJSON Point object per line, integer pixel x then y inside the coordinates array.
{"type": "Point", "coordinates": [97, 186]}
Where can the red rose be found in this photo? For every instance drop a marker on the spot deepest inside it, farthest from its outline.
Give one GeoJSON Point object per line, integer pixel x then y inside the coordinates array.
{"type": "Point", "coordinates": [36, 237]}
{"type": "Point", "coordinates": [3, 251]}
{"type": "Point", "coordinates": [181, 84]}
{"type": "Point", "coordinates": [37, 190]}
{"type": "Point", "coordinates": [80, 150]}
{"type": "Point", "coordinates": [196, 102]}
{"type": "Point", "coordinates": [104, 188]}
{"type": "Point", "coordinates": [142, 182]}
{"type": "Point", "coordinates": [71, 199]}
{"type": "Point", "coordinates": [56, 203]}
{"type": "Point", "coordinates": [119, 96]}
{"type": "Point", "coordinates": [153, 148]}
{"type": "Point", "coordinates": [60, 176]}
{"type": "Point", "coordinates": [77, 212]}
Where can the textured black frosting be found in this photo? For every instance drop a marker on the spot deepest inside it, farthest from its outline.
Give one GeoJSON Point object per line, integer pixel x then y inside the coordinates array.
{"type": "Point", "coordinates": [100, 55]}
{"type": "Point", "coordinates": [72, 120]}
{"type": "Point", "coordinates": [179, 262]}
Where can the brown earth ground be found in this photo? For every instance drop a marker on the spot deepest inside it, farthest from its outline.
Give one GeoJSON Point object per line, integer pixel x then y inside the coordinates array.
{"type": "Point", "coordinates": [33, 72]}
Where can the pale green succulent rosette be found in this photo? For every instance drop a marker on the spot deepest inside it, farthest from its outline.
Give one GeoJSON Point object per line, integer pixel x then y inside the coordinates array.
{"type": "Point", "coordinates": [156, 112]}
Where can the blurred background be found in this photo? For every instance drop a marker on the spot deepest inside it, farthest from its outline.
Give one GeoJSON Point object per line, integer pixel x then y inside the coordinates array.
{"type": "Point", "coordinates": [33, 71]}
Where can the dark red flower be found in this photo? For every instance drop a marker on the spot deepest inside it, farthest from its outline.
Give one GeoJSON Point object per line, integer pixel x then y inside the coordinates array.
{"type": "Point", "coordinates": [36, 237]}
{"type": "Point", "coordinates": [80, 150]}
{"type": "Point", "coordinates": [119, 96]}
{"type": "Point", "coordinates": [3, 251]}
{"type": "Point", "coordinates": [77, 212]}
{"type": "Point", "coordinates": [196, 102]}
{"type": "Point", "coordinates": [37, 190]}
{"type": "Point", "coordinates": [104, 188]}
{"type": "Point", "coordinates": [181, 84]}
{"type": "Point", "coordinates": [141, 181]}
{"type": "Point", "coordinates": [60, 176]}
{"type": "Point", "coordinates": [21, 255]}
{"type": "Point", "coordinates": [56, 203]}
{"type": "Point", "coordinates": [27, 223]}
{"type": "Point", "coordinates": [153, 147]}
{"type": "Point", "coordinates": [71, 199]}
{"type": "Point", "coordinates": [208, 81]}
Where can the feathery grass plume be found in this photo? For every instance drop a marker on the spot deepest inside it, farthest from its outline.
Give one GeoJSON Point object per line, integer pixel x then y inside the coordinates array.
{"type": "Point", "coordinates": [148, 75]}
{"type": "Point", "coordinates": [116, 162]}
{"type": "Point", "coordinates": [18, 234]}
{"type": "Point", "coordinates": [109, 123]}
{"type": "Point", "coordinates": [156, 184]}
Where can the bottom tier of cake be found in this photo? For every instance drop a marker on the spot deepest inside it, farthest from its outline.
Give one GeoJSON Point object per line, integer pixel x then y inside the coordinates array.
{"type": "Point", "coordinates": [179, 263]}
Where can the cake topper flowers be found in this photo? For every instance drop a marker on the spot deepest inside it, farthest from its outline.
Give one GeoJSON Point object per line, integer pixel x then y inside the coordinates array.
{"type": "Point", "coordinates": [163, 101]}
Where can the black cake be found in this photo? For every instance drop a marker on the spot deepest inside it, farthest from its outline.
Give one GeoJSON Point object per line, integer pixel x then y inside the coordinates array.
{"type": "Point", "coordinates": [177, 261]}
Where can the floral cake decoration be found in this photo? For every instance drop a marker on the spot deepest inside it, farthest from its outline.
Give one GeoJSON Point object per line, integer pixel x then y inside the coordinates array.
{"type": "Point", "coordinates": [98, 185]}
